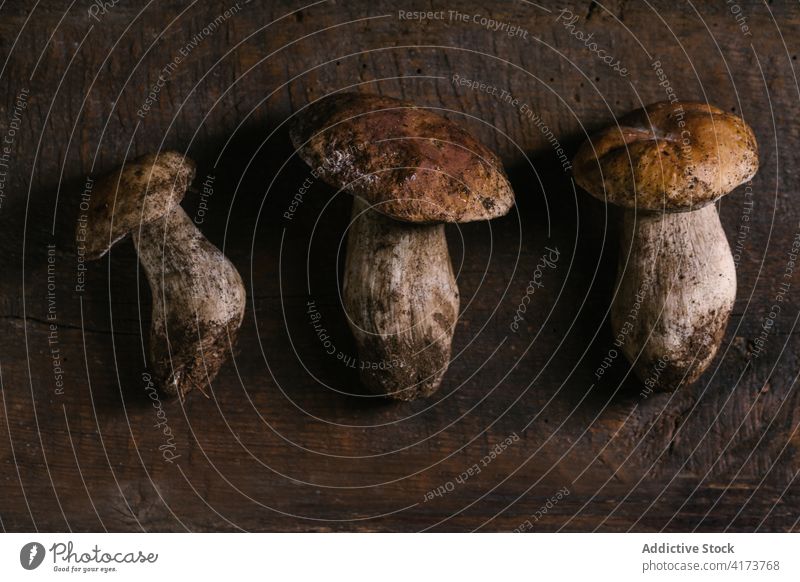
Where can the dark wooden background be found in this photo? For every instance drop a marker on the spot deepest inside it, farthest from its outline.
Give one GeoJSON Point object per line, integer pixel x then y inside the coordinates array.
{"type": "Point", "coordinates": [287, 439]}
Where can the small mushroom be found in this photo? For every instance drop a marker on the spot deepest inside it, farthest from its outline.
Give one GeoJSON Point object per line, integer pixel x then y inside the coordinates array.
{"type": "Point", "coordinates": [198, 295]}
{"type": "Point", "coordinates": [410, 171]}
{"type": "Point", "coordinates": [665, 165]}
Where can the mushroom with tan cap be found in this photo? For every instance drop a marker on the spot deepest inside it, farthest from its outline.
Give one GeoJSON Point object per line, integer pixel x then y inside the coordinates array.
{"type": "Point", "coordinates": [665, 165]}
{"type": "Point", "coordinates": [410, 171]}
{"type": "Point", "coordinates": [198, 295]}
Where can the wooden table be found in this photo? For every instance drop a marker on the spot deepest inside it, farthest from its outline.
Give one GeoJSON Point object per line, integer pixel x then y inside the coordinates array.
{"type": "Point", "coordinates": [287, 439]}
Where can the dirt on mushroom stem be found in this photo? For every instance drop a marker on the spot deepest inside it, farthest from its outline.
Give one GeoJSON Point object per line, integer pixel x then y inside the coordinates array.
{"type": "Point", "coordinates": [198, 303]}
{"type": "Point", "coordinates": [402, 302]}
{"type": "Point", "coordinates": [679, 268]}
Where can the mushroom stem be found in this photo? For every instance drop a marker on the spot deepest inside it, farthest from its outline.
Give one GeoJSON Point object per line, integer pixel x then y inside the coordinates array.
{"type": "Point", "coordinates": [674, 295]}
{"type": "Point", "coordinates": [198, 302]}
{"type": "Point", "coordinates": [402, 301]}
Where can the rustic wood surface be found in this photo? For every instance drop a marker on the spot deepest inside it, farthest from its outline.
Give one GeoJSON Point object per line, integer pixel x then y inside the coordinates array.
{"type": "Point", "coordinates": [287, 439]}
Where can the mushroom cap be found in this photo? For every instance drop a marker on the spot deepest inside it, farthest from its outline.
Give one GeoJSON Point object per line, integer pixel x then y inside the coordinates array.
{"type": "Point", "coordinates": [412, 164]}
{"type": "Point", "coordinates": [139, 192]}
{"type": "Point", "coordinates": [668, 157]}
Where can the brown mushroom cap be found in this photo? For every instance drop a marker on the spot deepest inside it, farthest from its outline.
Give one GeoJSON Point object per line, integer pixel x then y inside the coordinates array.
{"type": "Point", "coordinates": [139, 192]}
{"type": "Point", "coordinates": [668, 157]}
{"type": "Point", "coordinates": [414, 165]}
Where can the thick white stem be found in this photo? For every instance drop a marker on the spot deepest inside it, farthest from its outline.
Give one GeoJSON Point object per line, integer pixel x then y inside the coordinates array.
{"type": "Point", "coordinates": [198, 302]}
{"type": "Point", "coordinates": [674, 294]}
{"type": "Point", "coordinates": [402, 302]}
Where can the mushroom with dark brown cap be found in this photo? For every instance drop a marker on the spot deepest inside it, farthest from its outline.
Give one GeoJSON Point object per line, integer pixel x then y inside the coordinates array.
{"type": "Point", "coordinates": [410, 171]}
{"type": "Point", "coordinates": [198, 295]}
{"type": "Point", "coordinates": [665, 165]}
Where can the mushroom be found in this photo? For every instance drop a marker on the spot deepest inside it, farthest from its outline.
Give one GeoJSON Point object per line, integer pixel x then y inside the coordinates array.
{"type": "Point", "coordinates": [410, 172]}
{"type": "Point", "coordinates": [666, 165]}
{"type": "Point", "coordinates": [198, 295]}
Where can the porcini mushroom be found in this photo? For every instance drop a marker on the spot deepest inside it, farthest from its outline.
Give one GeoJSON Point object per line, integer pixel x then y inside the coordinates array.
{"type": "Point", "coordinates": [410, 171]}
{"type": "Point", "coordinates": [198, 295]}
{"type": "Point", "coordinates": [666, 165]}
